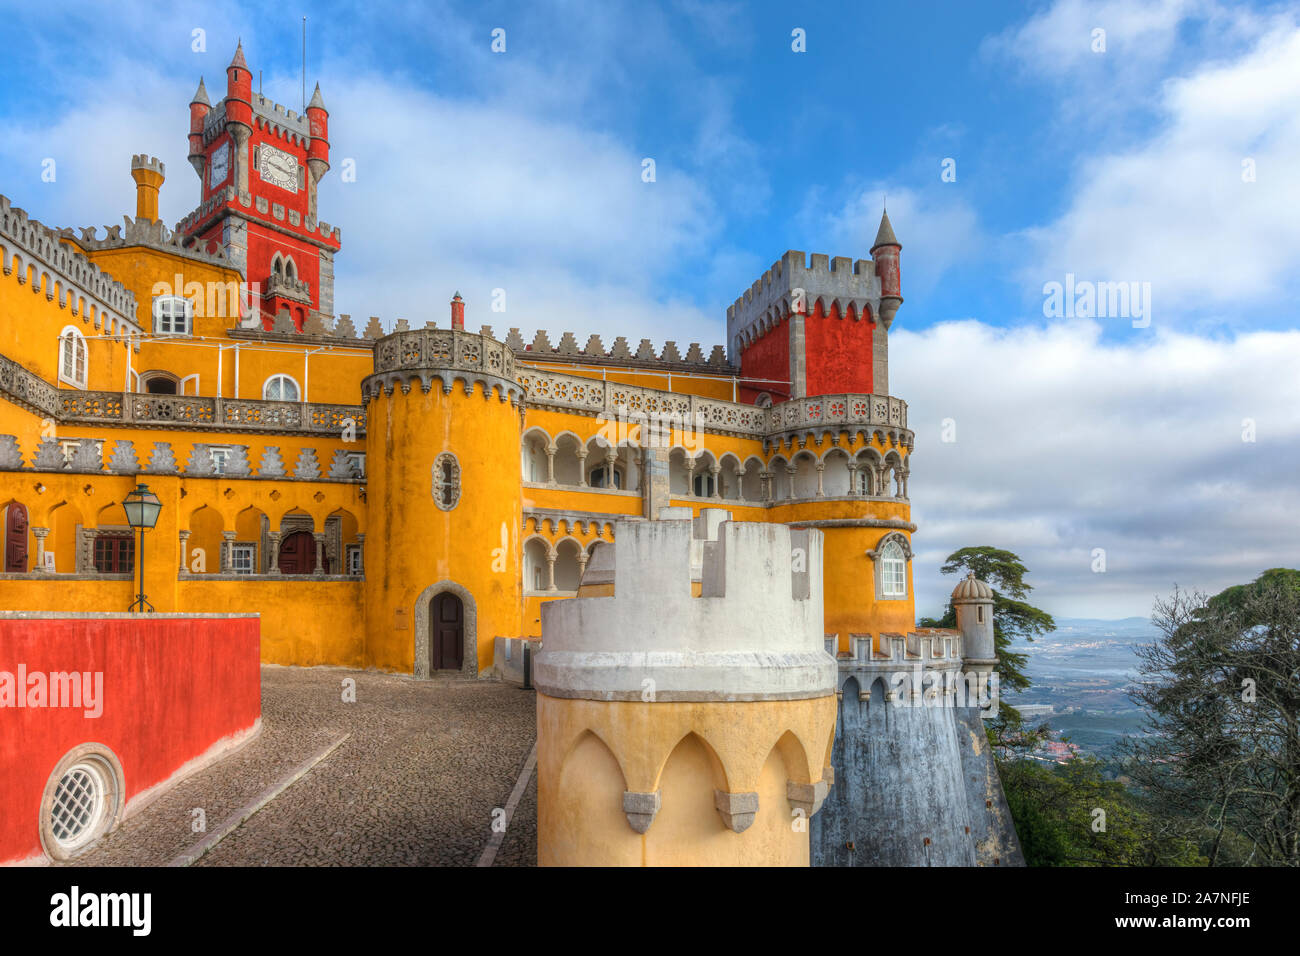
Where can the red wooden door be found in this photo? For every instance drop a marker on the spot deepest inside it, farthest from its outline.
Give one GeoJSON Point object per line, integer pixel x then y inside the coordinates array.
{"type": "Point", "coordinates": [448, 632]}
{"type": "Point", "coordinates": [15, 538]}
{"type": "Point", "coordinates": [298, 553]}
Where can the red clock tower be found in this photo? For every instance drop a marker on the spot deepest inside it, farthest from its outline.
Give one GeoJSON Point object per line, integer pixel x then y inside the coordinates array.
{"type": "Point", "coordinates": [260, 164]}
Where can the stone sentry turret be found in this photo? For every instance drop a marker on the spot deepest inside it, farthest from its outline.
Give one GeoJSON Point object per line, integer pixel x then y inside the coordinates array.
{"type": "Point", "coordinates": [687, 718]}
{"type": "Point", "coordinates": [819, 326]}
{"type": "Point", "coordinates": [916, 784]}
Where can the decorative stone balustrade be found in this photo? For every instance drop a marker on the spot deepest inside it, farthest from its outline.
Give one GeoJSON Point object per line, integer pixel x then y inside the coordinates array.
{"type": "Point", "coordinates": [444, 354]}
{"type": "Point", "coordinates": [798, 418]}
{"type": "Point", "coordinates": [145, 410]}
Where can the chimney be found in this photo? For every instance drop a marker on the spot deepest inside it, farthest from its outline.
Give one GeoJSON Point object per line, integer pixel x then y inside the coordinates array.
{"type": "Point", "coordinates": [148, 174]}
{"type": "Point", "coordinates": [457, 312]}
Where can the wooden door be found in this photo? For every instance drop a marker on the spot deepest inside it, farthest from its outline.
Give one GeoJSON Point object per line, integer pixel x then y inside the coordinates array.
{"type": "Point", "coordinates": [15, 538]}
{"type": "Point", "coordinates": [298, 553]}
{"type": "Point", "coordinates": [448, 632]}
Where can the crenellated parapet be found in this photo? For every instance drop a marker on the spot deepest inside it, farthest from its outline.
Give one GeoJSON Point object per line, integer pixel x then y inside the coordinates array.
{"type": "Point", "coordinates": [796, 285]}
{"type": "Point", "coordinates": [151, 234]}
{"type": "Point", "coordinates": [669, 358]}
{"type": "Point", "coordinates": [754, 633]}
{"type": "Point", "coordinates": [686, 717]}
{"type": "Point", "coordinates": [37, 255]}
{"type": "Point", "coordinates": [910, 747]}
{"type": "Point", "coordinates": [451, 355]}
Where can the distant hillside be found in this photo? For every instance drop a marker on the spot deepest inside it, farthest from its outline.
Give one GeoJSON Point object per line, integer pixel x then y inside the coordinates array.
{"type": "Point", "coordinates": [1082, 671]}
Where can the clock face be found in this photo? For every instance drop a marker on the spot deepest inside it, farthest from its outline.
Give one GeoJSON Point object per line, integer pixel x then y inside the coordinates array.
{"type": "Point", "coordinates": [220, 165]}
{"type": "Point", "coordinates": [278, 168]}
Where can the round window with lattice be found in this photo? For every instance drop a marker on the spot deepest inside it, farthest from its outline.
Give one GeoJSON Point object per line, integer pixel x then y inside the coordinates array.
{"type": "Point", "coordinates": [82, 801]}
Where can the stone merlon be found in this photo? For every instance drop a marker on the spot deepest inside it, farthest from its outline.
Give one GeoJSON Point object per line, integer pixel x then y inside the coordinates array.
{"type": "Point", "coordinates": [754, 633]}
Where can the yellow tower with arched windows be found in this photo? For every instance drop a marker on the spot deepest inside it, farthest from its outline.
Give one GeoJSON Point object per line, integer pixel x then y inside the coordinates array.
{"type": "Point", "coordinates": [445, 504]}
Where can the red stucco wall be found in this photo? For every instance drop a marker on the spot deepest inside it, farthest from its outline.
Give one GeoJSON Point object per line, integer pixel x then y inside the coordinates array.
{"type": "Point", "coordinates": [838, 353]}
{"type": "Point", "coordinates": [768, 357]}
{"type": "Point", "coordinates": [173, 687]}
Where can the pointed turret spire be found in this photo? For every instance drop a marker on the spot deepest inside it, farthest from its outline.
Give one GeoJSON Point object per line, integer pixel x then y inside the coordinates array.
{"type": "Point", "coordinates": [239, 57]}
{"type": "Point", "coordinates": [201, 95]}
{"type": "Point", "coordinates": [885, 235]}
{"type": "Point", "coordinates": [317, 102]}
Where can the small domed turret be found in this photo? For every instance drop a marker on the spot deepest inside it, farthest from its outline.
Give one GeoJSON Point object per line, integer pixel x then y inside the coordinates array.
{"type": "Point", "coordinates": [971, 588]}
{"type": "Point", "coordinates": [972, 600]}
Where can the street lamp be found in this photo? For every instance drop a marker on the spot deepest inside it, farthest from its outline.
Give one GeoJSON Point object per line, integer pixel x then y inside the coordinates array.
{"type": "Point", "coordinates": [141, 507]}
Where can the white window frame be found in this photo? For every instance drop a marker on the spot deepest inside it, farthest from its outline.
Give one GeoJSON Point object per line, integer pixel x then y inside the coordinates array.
{"type": "Point", "coordinates": [705, 482]}
{"type": "Point", "coordinates": [74, 359]}
{"type": "Point", "coordinates": [266, 388]}
{"type": "Point", "coordinates": [352, 560]}
{"type": "Point", "coordinates": [893, 571]}
{"type": "Point", "coordinates": [243, 549]}
{"type": "Point", "coordinates": [165, 318]}
{"type": "Point", "coordinates": [890, 559]}
{"type": "Point", "coordinates": [220, 457]}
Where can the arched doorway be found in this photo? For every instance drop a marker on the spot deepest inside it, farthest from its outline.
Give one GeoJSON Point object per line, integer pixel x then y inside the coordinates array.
{"type": "Point", "coordinates": [15, 545]}
{"type": "Point", "coordinates": [427, 614]}
{"type": "Point", "coordinates": [446, 633]}
{"type": "Point", "coordinates": [298, 554]}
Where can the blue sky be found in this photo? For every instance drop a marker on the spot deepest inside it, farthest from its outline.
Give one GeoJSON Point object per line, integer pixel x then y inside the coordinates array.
{"type": "Point", "coordinates": [522, 170]}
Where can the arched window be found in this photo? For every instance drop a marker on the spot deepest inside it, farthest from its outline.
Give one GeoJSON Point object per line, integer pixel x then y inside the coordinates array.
{"type": "Point", "coordinates": [599, 478]}
{"type": "Point", "coordinates": [160, 383]}
{"type": "Point", "coordinates": [72, 357]}
{"type": "Point", "coordinates": [277, 266]}
{"type": "Point", "coordinates": [280, 388]}
{"type": "Point", "coordinates": [703, 486]}
{"type": "Point", "coordinates": [290, 271]}
{"type": "Point", "coordinates": [446, 481]}
{"type": "Point", "coordinates": [893, 571]}
{"type": "Point", "coordinates": [172, 315]}
{"type": "Point", "coordinates": [890, 558]}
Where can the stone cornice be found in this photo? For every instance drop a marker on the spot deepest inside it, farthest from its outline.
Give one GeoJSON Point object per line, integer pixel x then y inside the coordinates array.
{"type": "Point", "coordinates": [447, 355]}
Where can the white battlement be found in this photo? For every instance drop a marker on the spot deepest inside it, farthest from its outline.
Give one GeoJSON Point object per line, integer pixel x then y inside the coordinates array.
{"type": "Point", "coordinates": [754, 633]}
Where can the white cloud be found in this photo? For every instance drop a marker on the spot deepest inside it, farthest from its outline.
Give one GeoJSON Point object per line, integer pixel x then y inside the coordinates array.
{"type": "Point", "coordinates": [938, 224]}
{"type": "Point", "coordinates": [1171, 204]}
{"type": "Point", "coordinates": [1067, 442]}
{"type": "Point", "coordinates": [1059, 41]}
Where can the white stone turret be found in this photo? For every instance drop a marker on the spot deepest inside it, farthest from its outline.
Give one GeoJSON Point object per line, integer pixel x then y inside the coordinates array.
{"type": "Point", "coordinates": [686, 719]}
{"type": "Point", "coordinates": [972, 600]}
{"type": "Point", "coordinates": [754, 633]}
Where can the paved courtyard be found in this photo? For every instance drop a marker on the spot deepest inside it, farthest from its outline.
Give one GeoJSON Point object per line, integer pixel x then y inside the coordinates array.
{"type": "Point", "coordinates": [420, 771]}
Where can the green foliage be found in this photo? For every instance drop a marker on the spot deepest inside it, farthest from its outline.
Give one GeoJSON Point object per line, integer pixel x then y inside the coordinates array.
{"type": "Point", "coordinates": [1070, 815]}
{"type": "Point", "coordinates": [1013, 618]}
{"type": "Point", "coordinates": [1221, 688]}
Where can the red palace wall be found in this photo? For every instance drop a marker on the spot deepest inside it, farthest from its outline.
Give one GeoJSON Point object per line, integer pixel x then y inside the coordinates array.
{"type": "Point", "coordinates": [175, 688]}
{"type": "Point", "coordinates": [838, 351]}
{"type": "Point", "coordinates": [768, 357]}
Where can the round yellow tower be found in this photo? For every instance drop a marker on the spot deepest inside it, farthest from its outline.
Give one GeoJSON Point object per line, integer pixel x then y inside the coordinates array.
{"type": "Point", "coordinates": [443, 499]}
{"type": "Point", "coordinates": [675, 730]}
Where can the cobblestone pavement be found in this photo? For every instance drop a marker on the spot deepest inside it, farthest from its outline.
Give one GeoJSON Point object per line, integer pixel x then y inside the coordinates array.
{"type": "Point", "coordinates": [414, 784]}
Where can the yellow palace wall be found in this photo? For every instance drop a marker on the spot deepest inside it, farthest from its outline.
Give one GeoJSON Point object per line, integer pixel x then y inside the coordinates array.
{"type": "Point", "coordinates": [309, 621]}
